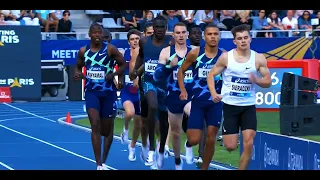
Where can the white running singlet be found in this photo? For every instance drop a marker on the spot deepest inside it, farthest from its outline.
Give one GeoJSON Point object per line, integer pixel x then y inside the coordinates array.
{"type": "Point", "coordinates": [237, 89]}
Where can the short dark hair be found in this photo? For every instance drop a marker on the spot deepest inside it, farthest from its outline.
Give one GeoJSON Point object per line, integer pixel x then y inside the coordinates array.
{"type": "Point", "coordinates": [133, 31]}
{"type": "Point", "coordinates": [179, 24]}
{"type": "Point", "coordinates": [95, 24]}
{"type": "Point", "coordinates": [211, 25]}
{"type": "Point", "coordinates": [240, 28]}
{"type": "Point", "coordinates": [66, 11]}
{"type": "Point", "coordinates": [159, 18]}
{"type": "Point", "coordinates": [195, 27]}
{"type": "Point", "coordinates": [148, 24]}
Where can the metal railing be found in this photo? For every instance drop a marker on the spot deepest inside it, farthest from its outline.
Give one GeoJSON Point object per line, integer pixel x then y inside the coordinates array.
{"type": "Point", "coordinates": [224, 34]}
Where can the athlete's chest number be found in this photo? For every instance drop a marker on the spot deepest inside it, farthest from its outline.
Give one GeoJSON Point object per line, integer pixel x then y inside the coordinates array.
{"type": "Point", "coordinates": [150, 67]}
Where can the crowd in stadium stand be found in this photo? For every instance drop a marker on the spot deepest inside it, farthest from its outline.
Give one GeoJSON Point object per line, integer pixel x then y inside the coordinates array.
{"type": "Point", "coordinates": [58, 20]}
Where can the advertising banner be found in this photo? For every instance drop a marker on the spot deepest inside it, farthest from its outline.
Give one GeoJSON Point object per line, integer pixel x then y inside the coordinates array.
{"type": "Point", "coordinates": [273, 48]}
{"type": "Point", "coordinates": [278, 152]}
{"type": "Point", "coordinates": [314, 155]}
{"type": "Point", "coordinates": [20, 48]}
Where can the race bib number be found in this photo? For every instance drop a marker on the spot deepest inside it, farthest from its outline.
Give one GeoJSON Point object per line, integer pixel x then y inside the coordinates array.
{"type": "Point", "coordinates": [240, 87]}
{"type": "Point", "coordinates": [188, 75]}
{"type": "Point", "coordinates": [150, 67]}
{"type": "Point", "coordinates": [203, 73]}
{"type": "Point", "coordinates": [96, 75]}
{"type": "Point", "coordinates": [127, 79]}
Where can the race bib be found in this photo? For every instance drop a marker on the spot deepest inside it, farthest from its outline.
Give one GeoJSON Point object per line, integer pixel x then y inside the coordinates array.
{"type": "Point", "coordinates": [150, 67]}
{"type": "Point", "coordinates": [240, 87]}
{"type": "Point", "coordinates": [203, 73]}
{"type": "Point", "coordinates": [188, 75]}
{"type": "Point", "coordinates": [127, 79]}
{"type": "Point", "coordinates": [96, 75]}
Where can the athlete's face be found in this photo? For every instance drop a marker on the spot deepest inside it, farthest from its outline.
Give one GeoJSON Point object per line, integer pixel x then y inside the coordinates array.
{"type": "Point", "coordinates": [242, 40]}
{"type": "Point", "coordinates": [159, 29]}
{"type": "Point", "coordinates": [149, 31]}
{"type": "Point", "coordinates": [96, 34]}
{"type": "Point", "coordinates": [134, 41]}
{"type": "Point", "coordinates": [195, 36]}
{"type": "Point", "coordinates": [212, 36]}
{"type": "Point", "coordinates": [180, 34]}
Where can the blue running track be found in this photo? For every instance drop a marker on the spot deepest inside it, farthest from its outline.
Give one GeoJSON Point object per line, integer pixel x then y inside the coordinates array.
{"type": "Point", "coordinates": [32, 139]}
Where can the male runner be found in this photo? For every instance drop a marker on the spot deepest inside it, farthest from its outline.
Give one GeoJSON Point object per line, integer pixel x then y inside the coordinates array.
{"type": "Point", "coordinates": [195, 37]}
{"type": "Point", "coordinates": [150, 48]}
{"type": "Point", "coordinates": [100, 91]}
{"type": "Point", "coordinates": [130, 97]}
{"type": "Point", "coordinates": [239, 67]}
{"type": "Point", "coordinates": [202, 59]}
{"type": "Point", "coordinates": [170, 61]}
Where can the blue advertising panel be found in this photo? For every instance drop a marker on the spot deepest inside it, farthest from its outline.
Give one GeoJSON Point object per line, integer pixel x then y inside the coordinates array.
{"type": "Point", "coordinates": [296, 157]}
{"type": "Point", "coordinates": [20, 68]}
{"type": "Point", "coordinates": [270, 97]}
{"type": "Point", "coordinates": [273, 149]}
{"type": "Point", "coordinates": [255, 158]}
{"type": "Point", "coordinates": [314, 155]}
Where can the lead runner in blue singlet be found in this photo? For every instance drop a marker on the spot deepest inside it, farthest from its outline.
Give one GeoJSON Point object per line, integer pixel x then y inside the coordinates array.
{"type": "Point", "coordinates": [99, 58]}
{"type": "Point", "coordinates": [203, 108]}
{"type": "Point", "coordinates": [150, 48]}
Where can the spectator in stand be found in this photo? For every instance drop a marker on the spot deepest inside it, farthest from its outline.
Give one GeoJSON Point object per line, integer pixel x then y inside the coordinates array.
{"type": "Point", "coordinates": [275, 23]}
{"type": "Point", "coordinates": [299, 13]}
{"type": "Point", "coordinates": [138, 15]}
{"type": "Point", "coordinates": [2, 21]}
{"type": "Point", "coordinates": [243, 17]}
{"type": "Point", "coordinates": [148, 19]}
{"type": "Point", "coordinates": [45, 19]}
{"type": "Point", "coordinates": [261, 23]}
{"type": "Point", "coordinates": [187, 18]}
{"type": "Point", "coordinates": [11, 17]}
{"type": "Point", "coordinates": [65, 25]}
{"type": "Point", "coordinates": [148, 29]}
{"type": "Point", "coordinates": [204, 17]}
{"type": "Point", "coordinates": [290, 23]}
{"type": "Point", "coordinates": [304, 22]}
{"type": "Point", "coordinates": [317, 27]}
{"type": "Point", "coordinates": [172, 19]}
{"type": "Point", "coordinates": [28, 18]}
{"type": "Point", "coordinates": [227, 18]}
{"type": "Point", "coordinates": [128, 18]}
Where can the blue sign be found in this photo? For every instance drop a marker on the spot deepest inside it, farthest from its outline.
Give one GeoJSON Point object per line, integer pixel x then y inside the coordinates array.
{"type": "Point", "coordinates": [20, 48]}
{"type": "Point", "coordinates": [314, 156]}
{"type": "Point", "coordinates": [255, 158]}
{"type": "Point", "coordinates": [272, 151]}
{"type": "Point", "coordinates": [278, 152]}
{"type": "Point", "coordinates": [270, 97]}
{"type": "Point", "coordinates": [296, 157]}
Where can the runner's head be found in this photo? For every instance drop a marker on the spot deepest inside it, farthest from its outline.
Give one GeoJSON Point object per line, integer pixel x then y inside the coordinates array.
{"type": "Point", "coordinates": [180, 33]}
{"type": "Point", "coordinates": [159, 27]}
{"type": "Point", "coordinates": [195, 35]}
{"type": "Point", "coordinates": [212, 35]}
{"type": "Point", "coordinates": [96, 33]}
{"type": "Point", "coordinates": [148, 29]}
{"type": "Point", "coordinates": [241, 36]}
{"type": "Point", "coordinates": [133, 37]}
{"type": "Point", "coordinates": [107, 36]}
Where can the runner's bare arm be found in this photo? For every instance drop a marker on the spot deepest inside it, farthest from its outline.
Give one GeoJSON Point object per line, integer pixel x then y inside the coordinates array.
{"type": "Point", "coordinates": [161, 69]}
{"type": "Point", "coordinates": [191, 58]}
{"type": "Point", "coordinates": [115, 54]}
{"type": "Point", "coordinates": [265, 81]}
{"type": "Point", "coordinates": [139, 60]}
{"type": "Point", "coordinates": [132, 63]}
{"type": "Point", "coordinates": [80, 63]}
{"type": "Point", "coordinates": [220, 65]}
